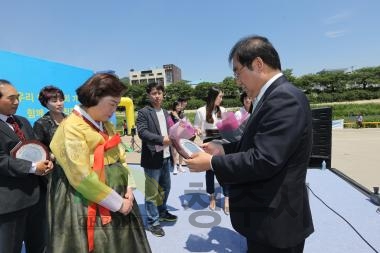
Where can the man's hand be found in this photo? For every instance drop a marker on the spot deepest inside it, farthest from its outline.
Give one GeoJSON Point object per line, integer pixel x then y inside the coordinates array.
{"type": "Point", "coordinates": [44, 167]}
{"type": "Point", "coordinates": [166, 141]}
{"type": "Point", "coordinates": [213, 148]}
{"type": "Point", "coordinates": [199, 162]}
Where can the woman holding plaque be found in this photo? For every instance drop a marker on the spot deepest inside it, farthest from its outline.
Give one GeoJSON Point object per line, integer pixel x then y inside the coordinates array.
{"type": "Point", "coordinates": [93, 206]}
{"type": "Point", "coordinates": [205, 123]}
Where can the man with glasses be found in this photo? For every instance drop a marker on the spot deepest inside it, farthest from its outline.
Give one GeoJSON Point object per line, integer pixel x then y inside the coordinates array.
{"type": "Point", "coordinates": [267, 168]}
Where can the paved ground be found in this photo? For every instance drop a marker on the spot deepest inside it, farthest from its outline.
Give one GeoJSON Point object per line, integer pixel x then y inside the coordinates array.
{"type": "Point", "coordinates": [355, 152]}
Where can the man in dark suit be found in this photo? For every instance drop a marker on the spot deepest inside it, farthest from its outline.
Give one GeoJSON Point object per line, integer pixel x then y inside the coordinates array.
{"type": "Point", "coordinates": [156, 158]}
{"type": "Point", "coordinates": [22, 196]}
{"type": "Point", "coordinates": [267, 168]}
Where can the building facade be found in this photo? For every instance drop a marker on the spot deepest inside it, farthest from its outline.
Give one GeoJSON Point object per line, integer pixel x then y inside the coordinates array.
{"type": "Point", "coordinates": [168, 74]}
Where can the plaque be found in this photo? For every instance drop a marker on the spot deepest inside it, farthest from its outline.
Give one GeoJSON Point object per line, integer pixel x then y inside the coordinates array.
{"type": "Point", "coordinates": [31, 150]}
{"type": "Point", "coordinates": [186, 147]}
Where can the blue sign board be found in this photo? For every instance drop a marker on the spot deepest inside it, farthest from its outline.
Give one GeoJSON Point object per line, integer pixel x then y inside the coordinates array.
{"type": "Point", "coordinates": [30, 74]}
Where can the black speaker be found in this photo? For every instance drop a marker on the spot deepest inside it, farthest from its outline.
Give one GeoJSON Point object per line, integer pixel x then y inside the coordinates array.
{"type": "Point", "coordinates": [322, 128]}
{"type": "Point", "coordinates": [133, 131]}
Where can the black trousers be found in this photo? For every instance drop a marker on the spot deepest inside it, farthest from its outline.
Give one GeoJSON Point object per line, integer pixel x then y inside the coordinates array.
{"type": "Point", "coordinates": [254, 247]}
{"type": "Point", "coordinates": [28, 225]}
{"type": "Point", "coordinates": [210, 177]}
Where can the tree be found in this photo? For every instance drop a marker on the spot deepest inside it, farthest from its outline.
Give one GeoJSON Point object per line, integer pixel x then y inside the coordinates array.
{"type": "Point", "coordinates": [181, 89]}
{"type": "Point", "coordinates": [288, 73]}
{"type": "Point", "coordinates": [365, 76]}
{"type": "Point", "coordinates": [331, 80]}
{"type": "Point", "coordinates": [306, 82]}
{"type": "Point", "coordinates": [201, 90]}
{"type": "Point", "coordinates": [138, 95]}
{"type": "Point", "coordinates": [229, 87]}
{"type": "Point", "coordinates": [125, 81]}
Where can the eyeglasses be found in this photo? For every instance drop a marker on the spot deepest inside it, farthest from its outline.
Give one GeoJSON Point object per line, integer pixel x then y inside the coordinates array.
{"type": "Point", "coordinates": [238, 72]}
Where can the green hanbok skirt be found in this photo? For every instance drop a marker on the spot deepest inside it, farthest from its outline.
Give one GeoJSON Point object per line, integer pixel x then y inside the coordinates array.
{"type": "Point", "coordinates": [67, 218]}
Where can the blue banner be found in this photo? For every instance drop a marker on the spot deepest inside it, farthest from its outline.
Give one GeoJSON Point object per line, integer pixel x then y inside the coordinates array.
{"type": "Point", "coordinates": [30, 74]}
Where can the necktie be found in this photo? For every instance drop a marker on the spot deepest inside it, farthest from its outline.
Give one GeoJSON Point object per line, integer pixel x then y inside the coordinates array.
{"type": "Point", "coordinates": [16, 128]}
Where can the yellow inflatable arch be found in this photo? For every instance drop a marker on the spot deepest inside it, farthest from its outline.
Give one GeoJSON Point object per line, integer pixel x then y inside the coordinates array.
{"type": "Point", "coordinates": [129, 112]}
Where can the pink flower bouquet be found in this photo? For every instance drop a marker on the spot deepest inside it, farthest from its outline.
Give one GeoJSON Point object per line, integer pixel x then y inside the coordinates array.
{"type": "Point", "coordinates": [181, 130]}
{"type": "Point", "coordinates": [231, 128]}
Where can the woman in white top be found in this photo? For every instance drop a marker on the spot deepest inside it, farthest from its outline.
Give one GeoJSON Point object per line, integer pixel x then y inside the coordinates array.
{"type": "Point", "coordinates": [205, 124]}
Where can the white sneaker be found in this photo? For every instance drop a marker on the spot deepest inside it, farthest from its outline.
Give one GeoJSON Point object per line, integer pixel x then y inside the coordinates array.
{"type": "Point", "coordinates": [175, 170]}
{"type": "Point", "coordinates": [180, 169]}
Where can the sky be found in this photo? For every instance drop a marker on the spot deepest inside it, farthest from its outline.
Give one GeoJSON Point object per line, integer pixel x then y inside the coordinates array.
{"type": "Point", "coordinates": [195, 35]}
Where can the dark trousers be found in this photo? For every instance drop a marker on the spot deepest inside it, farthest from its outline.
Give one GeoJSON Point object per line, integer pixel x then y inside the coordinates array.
{"type": "Point", "coordinates": [210, 177]}
{"type": "Point", "coordinates": [210, 184]}
{"type": "Point", "coordinates": [28, 225]}
{"type": "Point", "coordinates": [254, 247]}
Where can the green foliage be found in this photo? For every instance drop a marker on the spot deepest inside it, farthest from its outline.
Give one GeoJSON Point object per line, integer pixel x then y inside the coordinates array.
{"type": "Point", "coordinates": [201, 90]}
{"type": "Point", "coordinates": [190, 116]}
{"type": "Point", "coordinates": [125, 81]}
{"type": "Point", "coordinates": [305, 82]}
{"type": "Point", "coordinates": [364, 77]}
{"type": "Point", "coordinates": [322, 87]}
{"type": "Point", "coordinates": [332, 81]}
{"type": "Point", "coordinates": [349, 111]}
{"type": "Point", "coordinates": [195, 103]}
{"type": "Point", "coordinates": [138, 95]}
{"type": "Point", "coordinates": [178, 90]}
{"type": "Point", "coordinates": [288, 73]}
{"type": "Point", "coordinates": [346, 95]}
{"type": "Point", "coordinates": [231, 102]}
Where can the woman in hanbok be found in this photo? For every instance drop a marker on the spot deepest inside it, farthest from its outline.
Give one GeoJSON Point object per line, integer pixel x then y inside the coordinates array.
{"type": "Point", "coordinates": [92, 205]}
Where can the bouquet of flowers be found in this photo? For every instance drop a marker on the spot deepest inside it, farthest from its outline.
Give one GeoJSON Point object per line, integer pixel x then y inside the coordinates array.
{"type": "Point", "coordinates": [181, 130]}
{"type": "Point", "coordinates": [231, 128]}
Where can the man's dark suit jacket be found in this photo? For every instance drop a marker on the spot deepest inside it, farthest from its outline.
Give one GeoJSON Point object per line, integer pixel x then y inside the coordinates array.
{"type": "Point", "coordinates": [267, 169]}
{"type": "Point", "coordinates": [149, 132]}
{"type": "Point", "coordinates": [18, 188]}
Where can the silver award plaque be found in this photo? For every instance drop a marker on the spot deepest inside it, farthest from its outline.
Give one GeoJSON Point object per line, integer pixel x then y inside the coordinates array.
{"type": "Point", "coordinates": [31, 150]}
{"type": "Point", "coordinates": [186, 147]}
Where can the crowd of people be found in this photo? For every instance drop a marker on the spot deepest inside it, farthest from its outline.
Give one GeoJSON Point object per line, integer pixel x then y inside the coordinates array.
{"type": "Point", "coordinates": [69, 201]}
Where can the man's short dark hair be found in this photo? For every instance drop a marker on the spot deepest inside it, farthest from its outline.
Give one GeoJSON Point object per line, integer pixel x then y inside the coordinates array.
{"type": "Point", "coordinates": [248, 48]}
{"type": "Point", "coordinates": [153, 85]}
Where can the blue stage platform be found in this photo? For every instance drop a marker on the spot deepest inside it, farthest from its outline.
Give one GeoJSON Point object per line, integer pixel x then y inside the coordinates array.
{"type": "Point", "coordinates": [200, 230]}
